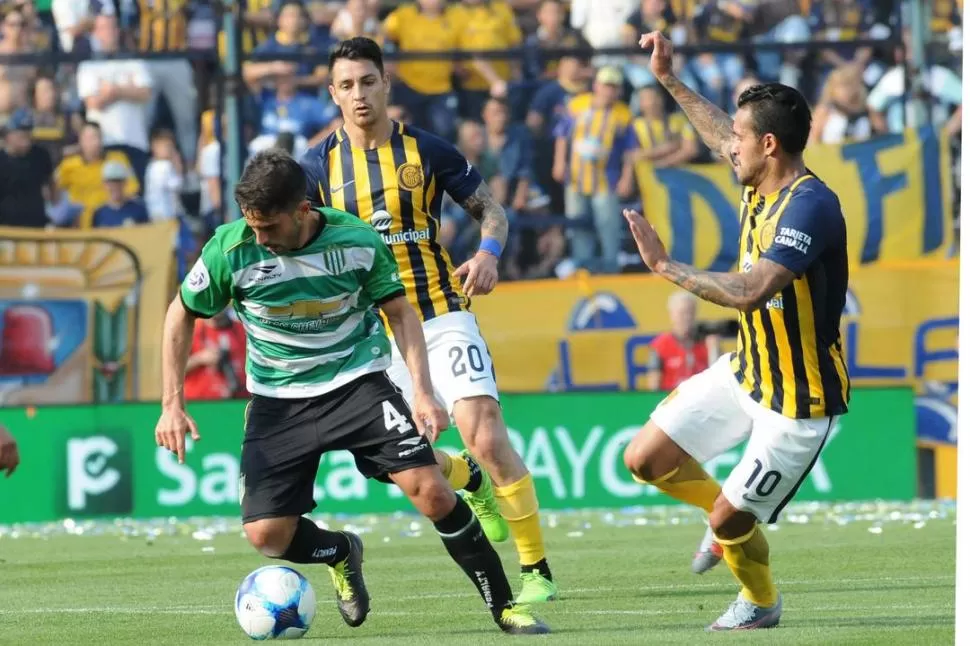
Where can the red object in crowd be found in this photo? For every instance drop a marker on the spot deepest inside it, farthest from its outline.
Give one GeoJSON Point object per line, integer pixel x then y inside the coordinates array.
{"type": "Point", "coordinates": [678, 363]}
{"type": "Point", "coordinates": [26, 347]}
{"type": "Point", "coordinates": [209, 382]}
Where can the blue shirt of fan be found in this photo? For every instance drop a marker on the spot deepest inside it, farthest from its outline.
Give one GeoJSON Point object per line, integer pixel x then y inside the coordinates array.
{"type": "Point", "coordinates": [810, 240]}
{"type": "Point", "coordinates": [302, 114]}
{"type": "Point", "coordinates": [132, 211]}
{"type": "Point", "coordinates": [550, 102]}
{"type": "Point", "coordinates": [315, 43]}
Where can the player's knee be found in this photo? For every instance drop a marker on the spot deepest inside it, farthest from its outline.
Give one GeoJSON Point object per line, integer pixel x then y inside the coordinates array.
{"type": "Point", "coordinates": [428, 491]}
{"type": "Point", "coordinates": [652, 454]}
{"type": "Point", "coordinates": [483, 429]}
{"type": "Point", "coordinates": [270, 536]}
{"type": "Point", "coordinates": [728, 522]}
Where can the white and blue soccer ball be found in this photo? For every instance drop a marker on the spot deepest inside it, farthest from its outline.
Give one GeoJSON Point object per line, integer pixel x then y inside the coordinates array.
{"type": "Point", "coordinates": [275, 602]}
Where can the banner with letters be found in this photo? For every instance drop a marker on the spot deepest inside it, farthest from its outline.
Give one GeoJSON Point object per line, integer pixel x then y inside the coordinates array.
{"type": "Point", "coordinates": [899, 327]}
{"type": "Point", "coordinates": [102, 461]}
{"type": "Point", "coordinates": [81, 313]}
{"type": "Point", "coordinates": [593, 333]}
{"type": "Point", "coordinates": [894, 190]}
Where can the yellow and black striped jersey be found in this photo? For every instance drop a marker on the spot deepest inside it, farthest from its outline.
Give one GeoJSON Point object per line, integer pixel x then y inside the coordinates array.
{"type": "Point", "coordinates": [789, 355]}
{"type": "Point", "coordinates": [163, 25]}
{"type": "Point", "coordinates": [397, 188]}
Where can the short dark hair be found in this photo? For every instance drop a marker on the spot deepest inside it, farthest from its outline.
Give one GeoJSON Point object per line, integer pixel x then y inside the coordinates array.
{"type": "Point", "coordinates": [272, 183]}
{"type": "Point", "coordinates": [358, 48]}
{"type": "Point", "coordinates": [779, 110]}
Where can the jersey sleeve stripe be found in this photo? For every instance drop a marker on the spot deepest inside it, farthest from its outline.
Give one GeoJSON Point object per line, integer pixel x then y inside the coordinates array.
{"type": "Point", "coordinates": [398, 293]}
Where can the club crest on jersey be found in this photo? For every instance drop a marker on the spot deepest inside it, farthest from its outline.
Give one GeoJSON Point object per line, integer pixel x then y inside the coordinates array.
{"type": "Point", "coordinates": [333, 261]}
{"type": "Point", "coordinates": [410, 176]}
{"type": "Point", "coordinates": [767, 235]}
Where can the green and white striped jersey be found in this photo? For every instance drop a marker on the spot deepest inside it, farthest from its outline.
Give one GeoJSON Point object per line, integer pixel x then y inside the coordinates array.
{"type": "Point", "coordinates": [309, 318]}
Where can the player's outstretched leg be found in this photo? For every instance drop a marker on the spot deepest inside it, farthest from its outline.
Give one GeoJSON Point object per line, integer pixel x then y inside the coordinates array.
{"type": "Point", "coordinates": [299, 540]}
{"type": "Point", "coordinates": [466, 543]}
{"type": "Point", "coordinates": [654, 458]}
{"type": "Point", "coordinates": [475, 486]}
{"type": "Point", "coordinates": [479, 420]}
{"type": "Point", "coordinates": [709, 553]}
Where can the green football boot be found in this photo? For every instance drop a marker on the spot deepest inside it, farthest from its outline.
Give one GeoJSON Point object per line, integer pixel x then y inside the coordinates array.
{"type": "Point", "coordinates": [536, 588]}
{"type": "Point", "coordinates": [519, 620]}
{"type": "Point", "coordinates": [485, 507]}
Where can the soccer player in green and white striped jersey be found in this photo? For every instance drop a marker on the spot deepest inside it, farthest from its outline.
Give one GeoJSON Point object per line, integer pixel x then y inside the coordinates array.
{"type": "Point", "coordinates": [305, 282]}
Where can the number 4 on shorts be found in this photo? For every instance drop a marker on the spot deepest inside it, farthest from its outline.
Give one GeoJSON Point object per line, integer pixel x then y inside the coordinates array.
{"type": "Point", "coordinates": [394, 420]}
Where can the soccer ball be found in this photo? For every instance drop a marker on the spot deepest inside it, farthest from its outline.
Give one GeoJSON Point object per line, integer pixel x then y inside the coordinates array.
{"type": "Point", "coordinates": [275, 602]}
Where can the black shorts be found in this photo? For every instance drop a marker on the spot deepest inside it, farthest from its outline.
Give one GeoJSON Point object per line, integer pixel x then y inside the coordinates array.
{"type": "Point", "coordinates": [285, 439]}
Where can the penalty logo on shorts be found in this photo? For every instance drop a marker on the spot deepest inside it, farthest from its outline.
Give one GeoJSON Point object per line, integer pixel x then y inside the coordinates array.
{"type": "Point", "coordinates": [333, 261]}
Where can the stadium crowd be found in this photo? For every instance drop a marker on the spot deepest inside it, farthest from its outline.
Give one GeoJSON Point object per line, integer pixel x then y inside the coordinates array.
{"type": "Point", "coordinates": [104, 142]}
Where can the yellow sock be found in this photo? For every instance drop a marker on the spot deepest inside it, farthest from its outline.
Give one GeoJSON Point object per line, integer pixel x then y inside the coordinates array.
{"type": "Point", "coordinates": [747, 557]}
{"type": "Point", "coordinates": [688, 483]}
{"type": "Point", "coordinates": [520, 507]}
{"type": "Point", "coordinates": [456, 470]}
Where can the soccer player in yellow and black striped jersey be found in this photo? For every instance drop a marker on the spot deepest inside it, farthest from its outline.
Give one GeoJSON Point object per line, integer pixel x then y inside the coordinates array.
{"type": "Point", "coordinates": [786, 385]}
{"type": "Point", "coordinates": [394, 177]}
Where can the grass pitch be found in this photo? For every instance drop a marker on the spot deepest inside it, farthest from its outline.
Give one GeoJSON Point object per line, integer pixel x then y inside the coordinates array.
{"type": "Point", "coordinates": [873, 574]}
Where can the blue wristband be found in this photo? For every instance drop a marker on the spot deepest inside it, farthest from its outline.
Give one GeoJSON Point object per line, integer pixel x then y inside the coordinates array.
{"type": "Point", "coordinates": [491, 246]}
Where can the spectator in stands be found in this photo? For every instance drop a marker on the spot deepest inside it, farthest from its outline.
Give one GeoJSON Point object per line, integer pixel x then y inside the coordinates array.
{"type": "Point", "coordinates": [680, 354]}
{"type": "Point", "coordinates": [652, 15]}
{"type": "Point", "coordinates": [52, 127]}
{"type": "Point", "coordinates": [945, 25]}
{"type": "Point", "coordinates": [775, 21]}
{"type": "Point", "coordinates": [739, 88]}
{"type": "Point", "coordinates": [933, 93]}
{"type": "Point", "coordinates": [14, 41]}
{"type": "Point", "coordinates": [660, 138]}
{"type": "Point", "coordinates": [163, 27]}
{"type": "Point", "coordinates": [601, 24]}
{"type": "Point", "coordinates": [287, 110]}
{"type": "Point", "coordinates": [120, 209]}
{"type": "Point", "coordinates": [9, 101]}
{"type": "Point", "coordinates": [837, 21]}
{"type": "Point", "coordinates": [356, 18]}
{"type": "Point", "coordinates": [210, 173]}
{"type": "Point", "coordinates": [552, 33]}
{"type": "Point", "coordinates": [423, 88]}
{"type": "Point", "coordinates": [292, 37]}
{"type": "Point", "coordinates": [164, 178]}
{"type": "Point", "coordinates": [484, 25]}
{"type": "Point", "coordinates": [590, 162]}
{"type": "Point", "coordinates": [40, 37]}
{"type": "Point", "coordinates": [74, 20]}
{"type": "Point", "coordinates": [457, 230]}
{"type": "Point", "coordinates": [842, 114]}
{"type": "Point", "coordinates": [79, 176]}
{"type": "Point", "coordinates": [718, 72]}
{"type": "Point", "coordinates": [116, 93]}
{"type": "Point", "coordinates": [216, 368]}
{"type": "Point", "coordinates": [25, 175]}
{"type": "Point", "coordinates": [511, 145]}
{"type": "Point", "coordinates": [548, 107]}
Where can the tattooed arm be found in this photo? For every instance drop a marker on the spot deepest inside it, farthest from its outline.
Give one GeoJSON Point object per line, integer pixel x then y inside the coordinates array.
{"type": "Point", "coordinates": [712, 123]}
{"type": "Point", "coordinates": [742, 291]}
{"type": "Point", "coordinates": [482, 206]}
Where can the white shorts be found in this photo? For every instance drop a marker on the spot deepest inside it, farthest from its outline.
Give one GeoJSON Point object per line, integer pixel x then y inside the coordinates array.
{"type": "Point", "coordinates": [458, 358]}
{"type": "Point", "coordinates": [710, 413]}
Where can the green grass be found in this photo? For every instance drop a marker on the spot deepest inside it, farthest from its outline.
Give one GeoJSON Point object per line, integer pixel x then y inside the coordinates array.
{"type": "Point", "coordinates": [621, 583]}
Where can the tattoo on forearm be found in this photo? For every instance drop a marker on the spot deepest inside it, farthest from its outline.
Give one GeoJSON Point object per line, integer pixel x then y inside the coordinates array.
{"type": "Point", "coordinates": [482, 206]}
{"type": "Point", "coordinates": [712, 123]}
{"type": "Point", "coordinates": [727, 289]}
